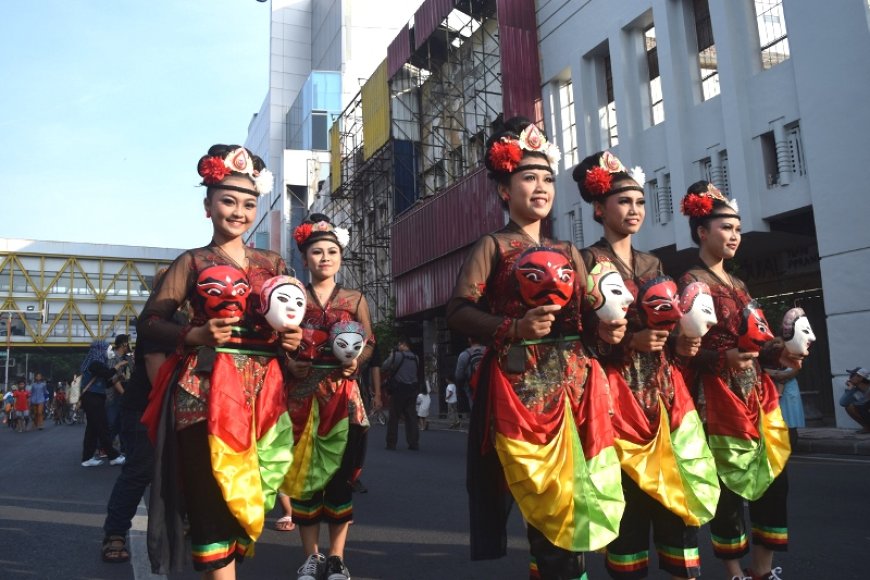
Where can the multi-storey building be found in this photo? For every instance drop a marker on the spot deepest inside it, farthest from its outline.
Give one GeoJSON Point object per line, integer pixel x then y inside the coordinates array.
{"type": "Point", "coordinates": [765, 98]}
{"type": "Point", "coordinates": [320, 50]}
{"type": "Point", "coordinates": [762, 97]}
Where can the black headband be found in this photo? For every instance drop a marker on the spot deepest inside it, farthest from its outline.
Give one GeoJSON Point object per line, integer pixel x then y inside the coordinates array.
{"type": "Point", "coordinates": [624, 188]}
{"type": "Point", "coordinates": [532, 166]}
{"type": "Point", "coordinates": [720, 215]}
{"type": "Point", "coordinates": [253, 192]}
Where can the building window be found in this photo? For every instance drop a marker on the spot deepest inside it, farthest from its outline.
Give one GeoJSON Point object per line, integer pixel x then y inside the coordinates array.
{"type": "Point", "coordinates": [772, 35]}
{"type": "Point", "coordinates": [660, 196]}
{"type": "Point", "coordinates": [657, 107]}
{"type": "Point", "coordinates": [782, 154]}
{"type": "Point", "coordinates": [609, 112]}
{"type": "Point", "coordinates": [576, 219]}
{"type": "Point", "coordinates": [769, 159]}
{"type": "Point", "coordinates": [706, 167]}
{"type": "Point", "coordinates": [707, 60]}
{"type": "Point", "coordinates": [319, 131]}
{"type": "Point", "coordinates": [569, 124]}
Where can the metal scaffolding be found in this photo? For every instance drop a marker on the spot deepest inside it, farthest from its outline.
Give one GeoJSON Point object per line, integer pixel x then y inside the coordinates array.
{"type": "Point", "coordinates": [442, 102]}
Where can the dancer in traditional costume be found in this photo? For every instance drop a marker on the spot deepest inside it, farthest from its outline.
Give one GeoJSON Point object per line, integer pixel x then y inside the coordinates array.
{"type": "Point", "coordinates": [668, 475]}
{"type": "Point", "coordinates": [329, 419]}
{"type": "Point", "coordinates": [540, 425]}
{"type": "Point", "coordinates": [217, 411]}
{"type": "Point", "coordinates": [738, 402]}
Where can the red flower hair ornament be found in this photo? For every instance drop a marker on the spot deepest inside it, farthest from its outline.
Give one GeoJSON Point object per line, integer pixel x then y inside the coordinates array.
{"type": "Point", "coordinates": [214, 169]}
{"type": "Point", "coordinates": [695, 205]}
{"type": "Point", "coordinates": [599, 180]}
{"type": "Point", "coordinates": [506, 153]}
{"type": "Point", "coordinates": [301, 233]}
{"type": "Point", "coordinates": [698, 205]}
{"type": "Point", "coordinates": [304, 231]}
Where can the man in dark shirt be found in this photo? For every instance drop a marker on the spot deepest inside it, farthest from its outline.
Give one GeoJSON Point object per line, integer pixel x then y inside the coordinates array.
{"type": "Point", "coordinates": [137, 470]}
{"type": "Point", "coordinates": [403, 386]}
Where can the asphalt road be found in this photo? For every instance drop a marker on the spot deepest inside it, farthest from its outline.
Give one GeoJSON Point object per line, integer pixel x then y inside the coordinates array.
{"type": "Point", "coordinates": [412, 524]}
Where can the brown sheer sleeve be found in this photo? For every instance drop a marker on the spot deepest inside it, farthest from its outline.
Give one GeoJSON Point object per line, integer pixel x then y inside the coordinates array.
{"type": "Point", "coordinates": [156, 320]}
{"type": "Point", "coordinates": [465, 314]}
{"type": "Point", "coordinates": [363, 317]}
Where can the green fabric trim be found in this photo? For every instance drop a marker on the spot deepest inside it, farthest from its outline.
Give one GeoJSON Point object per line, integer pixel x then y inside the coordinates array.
{"type": "Point", "coordinates": [569, 338]}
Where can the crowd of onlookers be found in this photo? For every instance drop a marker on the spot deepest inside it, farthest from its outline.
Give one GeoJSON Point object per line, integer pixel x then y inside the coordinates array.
{"type": "Point", "coordinates": [29, 405]}
{"type": "Point", "coordinates": [94, 395]}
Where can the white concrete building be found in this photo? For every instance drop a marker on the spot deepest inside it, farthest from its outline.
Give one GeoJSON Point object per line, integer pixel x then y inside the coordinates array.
{"type": "Point", "coordinates": [767, 99]}
{"type": "Point", "coordinates": [67, 294]}
{"type": "Point", "coordinates": [321, 51]}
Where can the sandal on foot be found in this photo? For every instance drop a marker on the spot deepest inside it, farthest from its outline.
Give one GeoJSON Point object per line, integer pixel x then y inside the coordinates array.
{"type": "Point", "coordinates": [285, 524]}
{"type": "Point", "coordinates": [115, 550]}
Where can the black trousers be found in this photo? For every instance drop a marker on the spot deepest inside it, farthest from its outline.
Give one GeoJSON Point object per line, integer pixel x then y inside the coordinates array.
{"type": "Point", "coordinates": [97, 429]}
{"type": "Point", "coordinates": [403, 401]}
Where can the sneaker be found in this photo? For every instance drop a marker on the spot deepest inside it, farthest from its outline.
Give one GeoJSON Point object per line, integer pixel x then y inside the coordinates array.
{"type": "Point", "coordinates": [773, 574]}
{"type": "Point", "coordinates": [313, 568]}
{"type": "Point", "coordinates": [92, 462]}
{"type": "Point", "coordinates": [335, 569]}
{"type": "Point", "coordinates": [119, 460]}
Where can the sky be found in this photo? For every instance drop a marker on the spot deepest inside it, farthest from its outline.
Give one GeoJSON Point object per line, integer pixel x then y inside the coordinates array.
{"type": "Point", "coordinates": [107, 105]}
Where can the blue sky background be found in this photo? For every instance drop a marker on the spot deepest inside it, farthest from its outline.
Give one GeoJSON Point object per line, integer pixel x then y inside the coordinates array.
{"type": "Point", "coordinates": [106, 106]}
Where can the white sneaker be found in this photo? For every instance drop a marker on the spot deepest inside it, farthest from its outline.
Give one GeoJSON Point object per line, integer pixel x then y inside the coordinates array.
{"type": "Point", "coordinates": [119, 460]}
{"type": "Point", "coordinates": [92, 462]}
{"type": "Point", "coordinates": [313, 567]}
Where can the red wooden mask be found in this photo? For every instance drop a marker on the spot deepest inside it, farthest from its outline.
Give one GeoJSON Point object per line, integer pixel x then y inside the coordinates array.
{"type": "Point", "coordinates": [545, 276]}
{"type": "Point", "coordinates": [754, 330]}
{"type": "Point", "coordinates": [659, 303]}
{"type": "Point", "coordinates": [224, 290]}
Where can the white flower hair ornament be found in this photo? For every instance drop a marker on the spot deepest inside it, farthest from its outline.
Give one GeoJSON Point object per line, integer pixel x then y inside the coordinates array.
{"type": "Point", "coordinates": [531, 139]}
{"type": "Point", "coordinates": [342, 235]}
{"type": "Point", "coordinates": [637, 174]}
{"type": "Point", "coordinates": [264, 181]}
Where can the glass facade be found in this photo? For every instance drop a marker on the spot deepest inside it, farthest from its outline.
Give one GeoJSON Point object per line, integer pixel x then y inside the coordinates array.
{"type": "Point", "coordinates": [316, 106]}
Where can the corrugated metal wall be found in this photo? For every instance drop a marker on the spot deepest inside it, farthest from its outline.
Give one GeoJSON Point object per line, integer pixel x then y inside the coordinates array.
{"type": "Point", "coordinates": [375, 94]}
{"type": "Point", "coordinates": [429, 15]}
{"type": "Point", "coordinates": [430, 286]}
{"type": "Point", "coordinates": [399, 51]}
{"type": "Point", "coordinates": [520, 67]}
{"type": "Point", "coordinates": [428, 243]}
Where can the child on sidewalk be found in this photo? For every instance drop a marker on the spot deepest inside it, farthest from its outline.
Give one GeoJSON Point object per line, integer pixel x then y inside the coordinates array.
{"type": "Point", "coordinates": [450, 398]}
{"type": "Point", "coordinates": [424, 401]}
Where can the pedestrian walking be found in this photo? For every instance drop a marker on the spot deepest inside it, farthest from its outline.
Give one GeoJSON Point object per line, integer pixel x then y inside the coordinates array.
{"type": "Point", "coordinates": [97, 376]}
{"type": "Point", "coordinates": [38, 399]}
{"type": "Point", "coordinates": [402, 387]}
